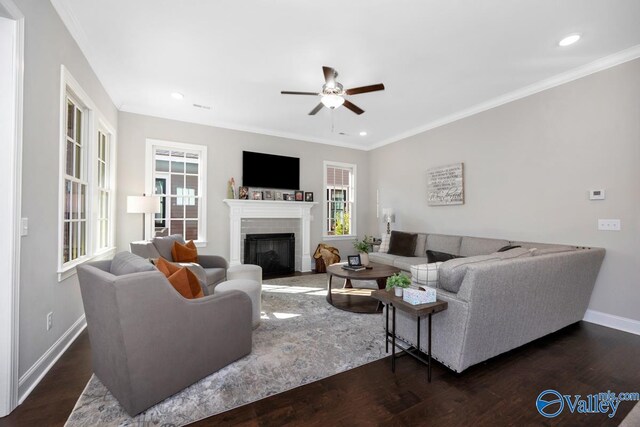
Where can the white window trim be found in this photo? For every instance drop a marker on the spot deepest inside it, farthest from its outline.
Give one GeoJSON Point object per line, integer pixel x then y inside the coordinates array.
{"type": "Point", "coordinates": [353, 231]}
{"type": "Point", "coordinates": [109, 130]}
{"type": "Point", "coordinates": [93, 119]}
{"type": "Point", "coordinates": [149, 184]}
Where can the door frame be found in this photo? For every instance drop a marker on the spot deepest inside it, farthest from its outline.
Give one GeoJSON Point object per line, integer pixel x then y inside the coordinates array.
{"type": "Point", "coordinates": [10, 279]}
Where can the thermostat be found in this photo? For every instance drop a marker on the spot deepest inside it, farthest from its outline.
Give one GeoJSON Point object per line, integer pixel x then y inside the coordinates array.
{"type": "Point", "coordinates": [596, 194]}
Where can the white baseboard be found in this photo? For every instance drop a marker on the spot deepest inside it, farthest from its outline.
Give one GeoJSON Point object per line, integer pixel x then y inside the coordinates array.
{"type": "Point", "coordinates": [35, 373]}
{"type": "Point", "coordinates": [612, 321]}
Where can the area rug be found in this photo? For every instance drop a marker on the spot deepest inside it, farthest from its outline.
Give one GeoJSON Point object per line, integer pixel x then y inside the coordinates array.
{"type": "Point", "coordinates": [301, 339]}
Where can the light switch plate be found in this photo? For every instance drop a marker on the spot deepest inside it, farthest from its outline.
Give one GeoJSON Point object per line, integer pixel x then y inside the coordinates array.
{"type": "Point", "coordinates": [609, 224]}
{"type": "Point", "coordinates": [24, 226]}
{"type": "Point", "coordinates": [596, 194]}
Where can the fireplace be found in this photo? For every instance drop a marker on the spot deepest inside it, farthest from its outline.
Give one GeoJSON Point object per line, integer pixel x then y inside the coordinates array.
{"type": "Point", "coordinates": [274, 252]}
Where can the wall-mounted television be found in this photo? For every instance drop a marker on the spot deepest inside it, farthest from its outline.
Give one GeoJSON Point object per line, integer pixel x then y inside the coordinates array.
{"type": "Point", "coordinates": [270, 171]}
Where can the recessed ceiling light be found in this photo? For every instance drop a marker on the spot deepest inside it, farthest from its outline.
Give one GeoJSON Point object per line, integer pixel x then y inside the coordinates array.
{"type": "Point", "coordinates": [363, 133]}
{"type": "Point", "coordinates": [177, 95]}
{"type": "Point", "coordinates": [569, 40]}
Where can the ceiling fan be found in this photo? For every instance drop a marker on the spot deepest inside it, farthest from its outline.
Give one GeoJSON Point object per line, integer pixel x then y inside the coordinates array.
{"type": "Point", "coordinates": [333, 93]}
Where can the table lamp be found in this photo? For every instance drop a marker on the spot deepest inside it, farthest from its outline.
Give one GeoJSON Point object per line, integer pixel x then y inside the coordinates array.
{"type": "Point", "coordinates": [389, 217]}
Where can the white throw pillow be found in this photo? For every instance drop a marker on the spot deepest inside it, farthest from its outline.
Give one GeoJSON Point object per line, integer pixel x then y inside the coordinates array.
{"type": "Point", "coordinates": [384, 246]}
{"type": "Point", "coordinates": [425, 274]}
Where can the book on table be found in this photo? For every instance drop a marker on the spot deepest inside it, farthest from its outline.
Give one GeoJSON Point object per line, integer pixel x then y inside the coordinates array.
{"type": "Point", "coordinates": [354, 268]}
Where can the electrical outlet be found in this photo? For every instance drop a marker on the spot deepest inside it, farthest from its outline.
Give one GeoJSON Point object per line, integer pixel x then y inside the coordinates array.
{"type": "Point", "coordinates": [49, 321]}
{"type": "Point", "coordinates": [609, 224]}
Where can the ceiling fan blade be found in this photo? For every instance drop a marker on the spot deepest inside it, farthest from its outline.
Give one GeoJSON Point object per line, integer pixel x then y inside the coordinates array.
{"type": "Point", "coordinates": [351, 106]}
{"type": "Point", "coordinates": [329, 76]}
{"type": "Point", "coordinates": [364, 89]}
{"type": "Point", "coordinates": [288, 92]}
{"type": "Point", "coordinates": [315, 110]}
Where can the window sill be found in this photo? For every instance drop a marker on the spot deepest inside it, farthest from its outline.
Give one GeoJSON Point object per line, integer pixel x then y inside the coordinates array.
{"type": "Point", "coordinates": [70, 270]}
{"type": "Point", "coordinates": [340, 237]}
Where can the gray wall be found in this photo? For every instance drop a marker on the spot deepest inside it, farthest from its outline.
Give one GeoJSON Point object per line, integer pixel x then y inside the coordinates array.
{"type": "Point", "coordinates": [225, 161]}
{"type": "Point", "coordinates": [48, 44]}
{"type": "Point", "coordinates": [528, 167]}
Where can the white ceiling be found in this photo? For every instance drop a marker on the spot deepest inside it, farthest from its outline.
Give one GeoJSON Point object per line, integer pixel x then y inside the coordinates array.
{"type": "Point", "coordinates": [439, 60]}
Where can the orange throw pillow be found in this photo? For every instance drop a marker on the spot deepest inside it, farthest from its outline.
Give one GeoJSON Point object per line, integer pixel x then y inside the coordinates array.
{"type": "Point", "coordinates": [184, 253]}
{"type": "Point", "coordinates": [181, 278]}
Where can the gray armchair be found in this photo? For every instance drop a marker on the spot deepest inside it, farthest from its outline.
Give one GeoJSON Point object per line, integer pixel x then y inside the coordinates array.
{"type": "Point", "coordinates": [210, 269]}
{"type": "Point", "coordinates": [147, 341]}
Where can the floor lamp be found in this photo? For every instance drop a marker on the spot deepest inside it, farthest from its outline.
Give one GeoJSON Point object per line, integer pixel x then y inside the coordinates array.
{"type": "Point", "coordinates": [389, 217]}
{"type": "Point", "coordinates": [143, 205]}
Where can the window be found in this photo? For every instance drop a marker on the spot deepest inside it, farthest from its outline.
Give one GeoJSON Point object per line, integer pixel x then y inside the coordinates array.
{"type": "Point", "coordinates": [178, 175]}
{"type": "Point", "coordinates": [340, 190]}
{"type": "Point", "coordinates": [103, 227]}
{"type": "Point", "coordinates": [86, 180]}
{"type": "Point", "coordinates": [74, 230]}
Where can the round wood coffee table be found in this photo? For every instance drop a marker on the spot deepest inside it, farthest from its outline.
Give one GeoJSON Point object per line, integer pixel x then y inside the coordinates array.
{"type": "Point", "coordinates": [357, 300]}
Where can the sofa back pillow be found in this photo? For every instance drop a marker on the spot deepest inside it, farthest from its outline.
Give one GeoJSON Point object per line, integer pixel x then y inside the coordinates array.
{"type": "Point", "coordinates": [181, 278]}
{"type": "Point", "coordinates": [435, 256]}
{"type": "Point", "coordinates": [472, 246]}
{"type": "Point", "coordinates": [451, 273]}
{"type": "Point", "coordinates": [127, 263]}
{"type": "Point", "coordinates": [444, 243]}
{"type": "Point", "coordinates": [425, 274]}
{"type": "Point", "coordinates": [421, 245]}
{"type": "Point", "coordinates": [402, 244]}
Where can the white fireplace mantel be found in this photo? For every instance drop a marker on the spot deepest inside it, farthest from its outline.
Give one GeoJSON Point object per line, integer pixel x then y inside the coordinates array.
{"type": "Point", "coordinates": [239, 209]}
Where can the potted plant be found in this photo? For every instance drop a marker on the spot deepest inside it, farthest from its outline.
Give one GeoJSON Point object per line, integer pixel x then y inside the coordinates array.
{"type": "Point", "coordinates": [398, 282]}
{"type": "Point", "coordinates": [363, 247]}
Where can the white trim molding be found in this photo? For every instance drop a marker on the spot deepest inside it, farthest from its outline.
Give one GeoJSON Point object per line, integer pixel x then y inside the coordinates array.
{"type": "Point", "coordinates": [612, 321]}
{"type": "Point", "coordinates": [11, 214]}
{"type": "Point", "coordinates": [239, 209]}
{"type": "Point", "coordinates": [30, 379]}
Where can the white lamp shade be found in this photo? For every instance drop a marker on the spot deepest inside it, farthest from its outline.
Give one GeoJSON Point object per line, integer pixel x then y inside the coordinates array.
{"type": "Point", "coordinates": [388, 215]}
{"type": "Point", "coordinates": [143, 204]}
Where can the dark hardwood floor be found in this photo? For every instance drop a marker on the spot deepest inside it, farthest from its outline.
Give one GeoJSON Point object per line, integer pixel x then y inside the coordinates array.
{"type": "Point", "coordinates": [581, 359]}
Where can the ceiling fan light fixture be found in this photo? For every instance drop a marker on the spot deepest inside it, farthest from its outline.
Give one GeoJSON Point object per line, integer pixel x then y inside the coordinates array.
{"type": "Point", "coordinates": [332, 101]}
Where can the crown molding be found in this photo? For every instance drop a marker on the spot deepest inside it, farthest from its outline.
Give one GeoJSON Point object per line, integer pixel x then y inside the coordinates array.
{"type": "Point", "coordinates": [242, 128]}
{"type": "Point", "coordinates": [78, 34]}
{"type": "Point", "coordinates": [557, 80]}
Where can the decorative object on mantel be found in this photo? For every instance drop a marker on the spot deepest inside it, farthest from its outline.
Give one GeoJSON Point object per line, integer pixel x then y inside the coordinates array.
{"type": "Point", "coordinates": [308, 196]}
{"type": "Point", "coordinates": [445, 185]}
{"type": "Point", "coordinates": [231, 189]}
{"type": "Point", "coordinates": [398, 282]}
{"type": "Point", "coordinates": [299, 195]}
{"type": "Point", "coordinates": [268, 195]}
{"type": "Point", "coordinates": [144, 205]}
{"type": "Point", "coordinates": [243, 193]}
{"type": "Point", "coordinates": [256, 195]}
{"type": "Point", "coordinates": [363, 247]}
{"type": "Point", "coordinates": [389, 217]}
{"type": "Point", "coordinates": [289, 197]}
{"type": "Point", "coordinates": [278, 195]}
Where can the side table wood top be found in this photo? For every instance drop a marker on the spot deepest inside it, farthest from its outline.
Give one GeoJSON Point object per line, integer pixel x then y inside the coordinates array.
{"type": "Point", "coordinates": [388, 297]}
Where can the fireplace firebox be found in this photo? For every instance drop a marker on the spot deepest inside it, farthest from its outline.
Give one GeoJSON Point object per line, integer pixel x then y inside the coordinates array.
{"type": "Point", "coordinates": [274, 252]}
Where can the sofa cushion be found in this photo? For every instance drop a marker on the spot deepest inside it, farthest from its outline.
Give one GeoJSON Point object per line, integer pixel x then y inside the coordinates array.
{"type": "Point", "coordinates": [181, 278]}
{"type": "Point", "coordinates": [127, 263]}
{"type": "Point", "coordinates": [382, 258]}
{"type": "Point", "coordinates": [384, 245]}
{"type": "Point", "coordinates": [472, 246]}
{"type": "Point", "coordinates": [444, 243]}
{"type": "Point", "coordinates": [425, 274]}
{"type": "Point", "coordinates": [421, 245]}
{"type": "Point", "coordinates": [165, 244]}
{"type": "Point", "coordinates": [451, 273]}
{"type": "Point", "coordinates": [435, 256]}
{"type": "Point", "coordinates": [403, 244]}
{"type": "Point", "coordinates": [405, 262]}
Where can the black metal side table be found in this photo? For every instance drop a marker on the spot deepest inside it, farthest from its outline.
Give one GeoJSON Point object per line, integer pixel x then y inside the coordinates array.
{"type": "Point", "coordinates": [417, 311]}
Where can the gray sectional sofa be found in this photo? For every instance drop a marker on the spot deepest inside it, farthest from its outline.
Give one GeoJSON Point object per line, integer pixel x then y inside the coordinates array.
{"type": "Point", "coordinates": [497, 302]}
